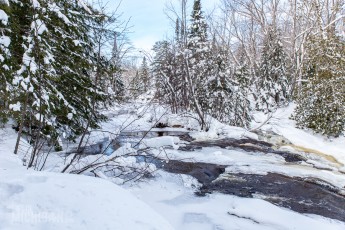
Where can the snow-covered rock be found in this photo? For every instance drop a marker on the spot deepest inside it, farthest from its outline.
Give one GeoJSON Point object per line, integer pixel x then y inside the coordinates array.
{"type": "Point", "coordinates": [158, 142]}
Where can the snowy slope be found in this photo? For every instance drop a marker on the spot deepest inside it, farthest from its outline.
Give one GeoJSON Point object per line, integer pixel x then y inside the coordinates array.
{"type": "Point", "coordinates": [42, 200]}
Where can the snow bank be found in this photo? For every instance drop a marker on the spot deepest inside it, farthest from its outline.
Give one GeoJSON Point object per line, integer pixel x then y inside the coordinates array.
{"type": "Point", "coordinates": [33, 200]}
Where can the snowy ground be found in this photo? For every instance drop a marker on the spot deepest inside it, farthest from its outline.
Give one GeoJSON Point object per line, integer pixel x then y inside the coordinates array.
{"type": "Point", "coordinates": [43, 200]}
{"type": "Point", "coordinates": [47, 200]}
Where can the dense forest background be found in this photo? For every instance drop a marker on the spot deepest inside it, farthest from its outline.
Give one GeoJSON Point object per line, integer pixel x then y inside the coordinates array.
{"type": "Point", "coordinates": [256, 55]}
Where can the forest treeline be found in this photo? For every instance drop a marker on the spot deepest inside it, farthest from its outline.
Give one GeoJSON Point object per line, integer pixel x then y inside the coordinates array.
{"type": "Point", "coordinates": [256, 55]}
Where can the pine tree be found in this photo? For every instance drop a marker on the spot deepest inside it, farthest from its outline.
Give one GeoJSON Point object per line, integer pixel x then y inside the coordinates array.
{"type": "Point", "coordinates": [32, 81]}
{"type": "Point", "coordinates": [4, 65]}
{"type": "Point", "coordinates": [141, 82]}
{"type": "Point", "coordinates": [198, 64]}
{"type": "Point", "coordinates": [321, 105]}
{"type": "Point", "coordinates": [273, 84]}
{"type": "Point", "coordinates": [144, 75]}
{"type": "Point", "coordinates": [197, 32]}
{"type": "Point", "coordinates": [241, 104]}
{"type": "Point", "coordinates": [117, 84]}
{"type": "Point", "coordinates": [162, 71]}
{"type": "Point", "coordinates": [53, 66]}
{"type": "Point", "coordinates": [136, 85]}
{"type": "Point", "coordinates": [197, 77]}
{"type": "Point", "coordinates": [75, 64]}
{"type": "Point", "coordinates": [229, 90]}
{"type": "Point", "coordinates": [220, 87]}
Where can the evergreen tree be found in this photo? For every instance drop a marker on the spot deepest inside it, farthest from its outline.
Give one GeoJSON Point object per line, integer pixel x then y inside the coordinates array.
{"type": "Point", "coordinates": [321, 105]}
{"type": "Point", "coordinates": [273, 91]}
{"type": "Point", "coordinates": [167, 70]}
{"type": "Point", "coordinates": [220, 87]}
{"type": "Point", "coordinates": [141, 82]}
{"type": "Point", "coordinates": [241, 104]}
{"type": "Point", "coordinates": [75, 63]}
{"type": "Point", "coordinates": [229, 90]}
{"type": "Point", "coordinates": [197, 32]}
{"type": "Point", "coordinates": [117, 85]}
{"type": "Point", "coordinates": [52, 65]}
{"type": "Point", "coordinates": [198, 56]}
{"type": "Point", "coordinates": [35, 72]}
{"type": "Point", "coordinates": [144, 75]}
{"type": "Point", "coordinates": [4, 65]}
{"type": "Point", "coordinates": [162, 71]}
{"type": "Point", "coordinates": [136, 85]}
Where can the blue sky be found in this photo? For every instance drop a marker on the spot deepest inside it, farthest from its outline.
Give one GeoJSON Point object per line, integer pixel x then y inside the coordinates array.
{"type": "Point", "coordinates": [148, 20]}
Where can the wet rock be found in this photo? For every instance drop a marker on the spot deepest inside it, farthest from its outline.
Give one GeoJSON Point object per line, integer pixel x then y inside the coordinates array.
{"type": "Point", "coordinates": [186, 137]}
{"type": "Point", "coordinates": [245, 144]}
{"type": "Point", "coordinates": [298, 194]}
{"type": "Point", "coordinates": [161, 125]}
{"type": "Point", "coordinates": [205, 173]}
{"type": "Point", "coordinates": [189, 148]}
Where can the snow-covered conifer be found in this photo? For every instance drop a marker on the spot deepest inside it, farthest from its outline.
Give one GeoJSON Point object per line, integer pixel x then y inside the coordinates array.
{"type": "Point", "coordinates": [220, 87]}
{"type": "Point", "coordinates": [321, 105]}
{"type": "Point", "coordinates": [198, 61]}
{"type": "Point", "coordinates": [241, 104]}
{"type": "Point", "coordinates": [4, 64]}
{"type": "Point", "coordinates": [163, 67]}
{"type": "Point", "coordinates": [52, 62]}
{"type": "Point", "coordinates": [144, 74]}
{"type": "Point", "coordinates": [273, 79]}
